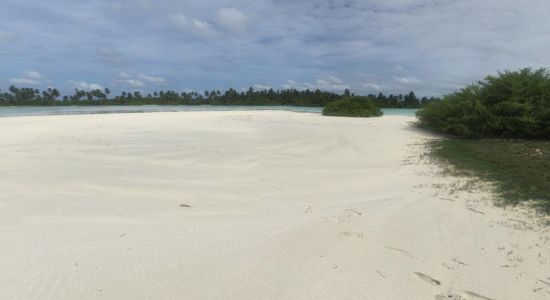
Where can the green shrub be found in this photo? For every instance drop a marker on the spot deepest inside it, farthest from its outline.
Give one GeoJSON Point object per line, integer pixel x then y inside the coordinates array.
{"type": "Point", "coordinates": [352, 107]}
{"type": "Point", "coordinates": [510, 105]}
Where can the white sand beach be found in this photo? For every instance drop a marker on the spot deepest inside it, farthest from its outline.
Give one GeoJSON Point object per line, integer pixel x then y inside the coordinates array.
{"type": "Point", "coordinates": [249, 205]}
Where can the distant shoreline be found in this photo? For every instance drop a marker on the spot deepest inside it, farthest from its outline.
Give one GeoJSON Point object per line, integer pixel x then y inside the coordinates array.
{"type": "Point", "coordinates": [19, 111]}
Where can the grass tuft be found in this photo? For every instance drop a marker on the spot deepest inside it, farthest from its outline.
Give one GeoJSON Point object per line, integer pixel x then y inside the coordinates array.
{"type": "Point", "coordinates": [520, 169]}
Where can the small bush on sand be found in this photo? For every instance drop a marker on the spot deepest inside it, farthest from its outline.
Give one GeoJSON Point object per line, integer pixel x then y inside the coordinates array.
{"type": "Point", "coordinates": [352, 107]}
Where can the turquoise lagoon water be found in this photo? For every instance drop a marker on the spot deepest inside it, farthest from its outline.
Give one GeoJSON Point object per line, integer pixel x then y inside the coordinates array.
{"type": "Point", "coordinates": [13, 111]}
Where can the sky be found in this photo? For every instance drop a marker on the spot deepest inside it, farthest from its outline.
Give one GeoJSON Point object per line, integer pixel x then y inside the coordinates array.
{"type": "Point", "coordinates": [431, 47]}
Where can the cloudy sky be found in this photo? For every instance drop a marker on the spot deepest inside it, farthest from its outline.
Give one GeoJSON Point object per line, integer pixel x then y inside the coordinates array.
{"type": "Point", "coordinates": [392, 46]}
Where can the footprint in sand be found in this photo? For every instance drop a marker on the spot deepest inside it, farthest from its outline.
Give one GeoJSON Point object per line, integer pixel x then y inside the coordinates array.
{"type": "Point", "coordinates": [427, 278]}
{"type": "Point", "coordinates": [381, 274]}
{"type": "Point", "coordinates": [545, 282]}
{"type": "Point", "coordinates": [348, 213]}
{"type": "Point", "coordinates": [449, 297]}
{"type": "Point", "coordinates": [545, 286]}
{"type": "Point", "coordinates": [510, 256]}
{"type": "Point", "coordinates": [447, 199]}
{"type": "Point", "coordinates": [476, 211]}
{"type": "Point", "coordinates": [458, 261]}
{"type": "Point", "coordinates": [352, 234]}
{"type": "Point", "coordinates": [353, 210]}
{"type": "Point", "coordinates": [472, 295]}
{"type": "Point", "coordinates": [400, 251]}
{"type": "Point", "coordinates": [524, 223]}
{"type": "Point", "coordinates": [342, 218]}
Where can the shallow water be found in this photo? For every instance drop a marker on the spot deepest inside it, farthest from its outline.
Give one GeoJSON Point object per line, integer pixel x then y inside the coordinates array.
{"type": "Point", "coordinates": [14, 111]}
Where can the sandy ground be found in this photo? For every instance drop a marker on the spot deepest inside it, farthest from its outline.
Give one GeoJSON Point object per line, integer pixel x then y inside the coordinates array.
{"type": "Point", "coordinates": [248, 205]}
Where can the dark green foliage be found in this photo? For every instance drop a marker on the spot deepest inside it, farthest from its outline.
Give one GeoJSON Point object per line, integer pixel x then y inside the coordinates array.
{"type": "Point", "coordinates": [400, 101]}
{"type": "Point", "coordinates": [290, 97]}
{"type": "Point", "coordinates": [519, 168]}
{"type": "Point", "coordinates": [510, 105]}
{"type": "Point", "coordinates": [352, 107]}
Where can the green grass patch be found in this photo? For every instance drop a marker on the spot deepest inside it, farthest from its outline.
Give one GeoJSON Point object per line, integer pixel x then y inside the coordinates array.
{"type": "Point", "coordinates": [520, 169]}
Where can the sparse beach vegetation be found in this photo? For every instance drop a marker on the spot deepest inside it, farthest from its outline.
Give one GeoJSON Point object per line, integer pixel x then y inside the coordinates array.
{"type": "Point", "coordinates": [499, 130]}
{"type": "Point", "coordinates": [519, 169]}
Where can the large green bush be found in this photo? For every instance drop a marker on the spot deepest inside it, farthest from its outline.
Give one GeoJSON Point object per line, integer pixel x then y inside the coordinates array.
{"type": "Point", "coordinates": [510, 105]}
{"type": "Point", "coordinates": [352, 107]}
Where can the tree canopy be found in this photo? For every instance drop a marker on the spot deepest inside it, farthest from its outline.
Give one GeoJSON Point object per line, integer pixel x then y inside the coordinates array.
{"type": "Point", "coordinates": [513, 104]}
{"type": "Point", "coordinates": [52, 97]}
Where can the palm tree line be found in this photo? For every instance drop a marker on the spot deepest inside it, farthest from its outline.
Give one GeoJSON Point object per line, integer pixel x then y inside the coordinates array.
{"type": "Point", "coordinates": [291, 97]}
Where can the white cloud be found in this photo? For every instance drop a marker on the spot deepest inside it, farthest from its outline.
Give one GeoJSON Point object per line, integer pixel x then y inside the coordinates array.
{"type": "Point", "coordinates": [34, 75]}
{"type": "Point", "coordinates": [407, 80]}
{"type": "Point", "coordinates": [232, 19]}
{"type": "Point", "coordinates": [430, 46]}
{"type": "Point", "coordinates": [110, 56]}
{"type": "Point", "coordinates": [400, 69]}
{"type": "Point", "coordinates": [144, 4]}
{"type": "Point", "coordinates": [24, 81]}
{"type": "Point", "coordinates": [152, 79]}
{"type": "Point", "coordinates": [361, 84]}
{"type": "Point", "coordinates": [124, 75]}
{"type": "Point", "coordinates": [262, 87]}
{"type": "Point", "coordinates": [6, 36]}
{"type": "Point", "coordinates": [196, 27]}
{"type": "Point", "coordinates": [335, 79]}
{"type": "Point", "coordinates": [134, 83]}
{"type": "Point", "coordinates": [374, 86]}
{"type": "Point", "coordinates": [139, 81]}
{"type": "Point", "coordinates": [30, 78]}
{"type": "Point", "coordinates": [117, 6]}
{"type": "Point", "coordinates": [83, 85]}
{"type": "Point", "coordinates": [329, 83]}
